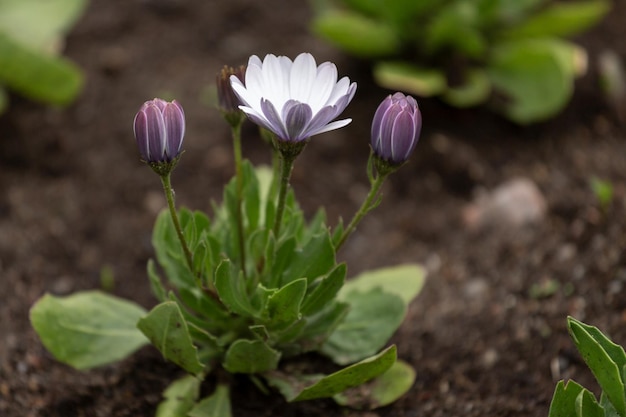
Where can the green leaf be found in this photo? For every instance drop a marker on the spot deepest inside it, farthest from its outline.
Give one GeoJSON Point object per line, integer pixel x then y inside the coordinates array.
{"type": "Point", "coordinates": [561, 19]}
{"type": "Point", "coordinates": [37, 76]}
{"type": "Point", "coordinates": [155, 282]}
{"type": "Point", "coordinates": [383, 390]}
{"type": "Point", "coordinates": [455, 27]}
{"type": "Point", "coordinates": [564, 399]}
{"type": "Point", "coordinates": [180, 397]}
{"type": "Point", "coordinates": [587, 406]}
{"type": "Point", "coordinates": [406, 281]}
{"type": "Point", "coordinates": [475, 90]}
{"type": "Point", "coordinates": [216, 405]}
{"type": "Point", "coordinates": [283, 306]}
{"type": "Point", "coordinates": [231, 289]}
{"type": "Point", "coordinates": [167, 330]}
{"type": "Point", "coordinates": [371, 321]}
{"type": "Point", "coordinates": [609, 409]}
{"type": "Point", "coordinates": [325, 290]}
{"type": "Point", "coordinates": [315, 259]}
{"type": "Point", "coordinates": [39, 24]}
{"type": "Point", "coordinates": [88, 329]}
{"type": "Point", "coordinates": [250, 357]}
{"type": "Point", "coordinates": [605, 359]}
{"type": "Point", "coordinates": [534, 76]}
{"type": "Point", "coordinates": [299, 388]}
{"type": "Point", "coordinates": [169, 252]}
{"type": "Point", "coordinates": [402, 76]}
{"type": "Point", "coordinates": [357, 34]}
{"type": "Point", "coordinates": [514, 10]}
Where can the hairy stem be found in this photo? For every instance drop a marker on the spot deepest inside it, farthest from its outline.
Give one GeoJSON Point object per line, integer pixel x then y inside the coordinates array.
{"type": "Point", "coordinates": [169, 195]}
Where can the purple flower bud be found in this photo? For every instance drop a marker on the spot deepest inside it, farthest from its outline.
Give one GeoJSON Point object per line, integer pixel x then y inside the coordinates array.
{"type": "Point", "coordinates": [159, 130]}
{"type": "Point", "coordinates": [396, 128]}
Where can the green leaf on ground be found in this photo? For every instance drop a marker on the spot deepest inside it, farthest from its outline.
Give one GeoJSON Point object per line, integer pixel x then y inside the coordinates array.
{"type": "Point", "coordinates": [382, 390]}
{"type": "Point", "coordinates": [40, 24]}
{"type": "Point", "coordinates": [371, 321]}
{"type": "Point", "coordinates": [215, 405]}
{"type": "Point", "coordinates": [535, 77]}
{"type": "Point", "coordinates": [308, 387]}
{"type": "Point", "coordinates": [167, 329]}
{"type": "Point", "coordinates": [357, 34]}
{"type": "Point", "coordinates": [180, 396]}
{"type": "Point", "coordinates": [402, 76]}
{"type": "Point", "coordinates": [406, 281]}
{"type": "Point", "coordinates": [561, 19]}
{"type": "Point", "coordinates": [50, 79]}
{"type": "Point", "coordinates": [88, 329]}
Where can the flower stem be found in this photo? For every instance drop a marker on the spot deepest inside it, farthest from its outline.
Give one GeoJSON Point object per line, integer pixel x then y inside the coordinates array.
{"type": "Point", "coordinates": [236, 132]}
{"type": "Point", "coordinates": [369, 203]}
{"type": "Point", "coordinates": [169, 195]}
{"type": "Point", "coordinates": [286, 168]}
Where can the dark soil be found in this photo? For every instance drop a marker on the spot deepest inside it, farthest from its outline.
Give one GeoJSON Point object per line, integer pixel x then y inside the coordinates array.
{"type": "Point", "coordinates": [76, 199]}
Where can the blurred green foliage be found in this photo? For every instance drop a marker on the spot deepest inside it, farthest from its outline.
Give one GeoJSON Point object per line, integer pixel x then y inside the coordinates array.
{"type": "Point", "coordinates": [607, 362]}
{"type": "Point", "coordinates": [510, 54]}
{"type": "Point", "coordinates": [32, 34]}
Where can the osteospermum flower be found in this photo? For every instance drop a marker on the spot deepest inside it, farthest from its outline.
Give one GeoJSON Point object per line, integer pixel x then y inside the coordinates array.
{"type": "Point", "coordinates": [396, 128]}
{"type": "Point", "coordinates": [159, 128]}
{"type": "Point", "coordinates": [294, 99]}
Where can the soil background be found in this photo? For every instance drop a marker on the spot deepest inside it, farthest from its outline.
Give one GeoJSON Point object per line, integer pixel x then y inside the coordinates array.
{"type": "Point", "coordinates": [75, 199]}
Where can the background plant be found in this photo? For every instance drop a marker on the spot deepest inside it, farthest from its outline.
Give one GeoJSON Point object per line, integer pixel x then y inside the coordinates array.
{"type": "Point", "coordinates": [510, 54]}
{"type": "Point", "coordinates": [607, 362]}
{"type": "Point", "coordinates": [32, 36]}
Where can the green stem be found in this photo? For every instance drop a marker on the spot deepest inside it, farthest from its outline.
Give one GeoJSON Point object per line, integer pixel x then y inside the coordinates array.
{"type": "Point", "coordinates": [285, 174]}
{"type": "Point", "coordinates": [236, 132]}
{"type": "Point", "coordinates": [169, 195]}
{"type": "Point", "coordinates": [365, 208]}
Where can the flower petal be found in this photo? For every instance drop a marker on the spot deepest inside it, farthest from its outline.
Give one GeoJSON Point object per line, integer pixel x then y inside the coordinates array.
{"type": "Point", "coordinates": [302, 77]}
{"type": "Point", "coordinates": [297, 117]}
{"type": "Point", "coordinates": [155, 133]}
{"type": "Point", "coordinates": [274, 121]}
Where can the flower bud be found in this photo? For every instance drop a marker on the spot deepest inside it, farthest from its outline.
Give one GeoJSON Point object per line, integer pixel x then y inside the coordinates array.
{"type": "Point", "coordinates": [226, 97]}
{"type": "Point", "coordinates": [227, 101]}
{"type": "Point", "coordinates": [159, 130]}
{"type": "Point", "coordinates": [396, 128]}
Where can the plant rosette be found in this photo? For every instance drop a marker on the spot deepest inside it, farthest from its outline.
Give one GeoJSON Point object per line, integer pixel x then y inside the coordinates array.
{"type": "Point", "coordinates": [257, 282]}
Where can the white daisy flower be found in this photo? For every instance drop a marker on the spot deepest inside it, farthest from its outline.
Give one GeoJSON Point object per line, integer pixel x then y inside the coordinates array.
{"type": "Point", "coordinates": [294, 99]}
